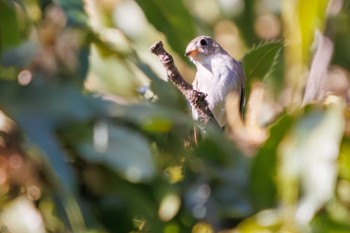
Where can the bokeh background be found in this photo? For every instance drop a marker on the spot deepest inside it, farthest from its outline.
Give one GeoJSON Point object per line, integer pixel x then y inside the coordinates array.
{"type": "Point", "coordinates": [94, 139]}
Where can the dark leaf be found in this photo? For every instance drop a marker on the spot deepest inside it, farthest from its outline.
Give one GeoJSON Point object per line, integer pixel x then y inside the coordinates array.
{"type": "Point", "coordinates": [260, 61]}
{"type": "Point", "coordinates": [9, 28]}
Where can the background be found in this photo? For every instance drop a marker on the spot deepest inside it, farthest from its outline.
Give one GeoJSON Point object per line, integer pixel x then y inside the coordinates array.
{"type": "Point", "coordinates": [93, 139]}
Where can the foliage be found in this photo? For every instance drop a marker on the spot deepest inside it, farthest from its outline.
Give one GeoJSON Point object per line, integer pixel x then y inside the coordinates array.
{"type": "Point", "coordinates": [93, 140]}
{"type": "Point", "coordinates": [260, 61]}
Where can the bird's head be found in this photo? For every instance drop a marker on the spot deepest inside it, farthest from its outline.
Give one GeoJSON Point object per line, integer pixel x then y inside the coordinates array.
{"type": "Point", "coordinates": [202, 47]}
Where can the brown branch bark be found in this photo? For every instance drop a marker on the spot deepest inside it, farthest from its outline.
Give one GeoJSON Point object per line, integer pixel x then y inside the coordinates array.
{"type": "Point", "coordinates": [196, 98]}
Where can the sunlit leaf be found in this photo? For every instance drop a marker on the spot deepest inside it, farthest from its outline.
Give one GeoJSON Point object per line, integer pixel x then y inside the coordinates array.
{"type": "Point", "coordinates": [264, 221]}
{"type": "Point", "coordinates": [309, 154]}
{"type": "Point", "coordinates": [344, 160]}
{"type": "Point", "coordinates": [112, 75]}
{"type": "Point", "coordinates": [311, 16]}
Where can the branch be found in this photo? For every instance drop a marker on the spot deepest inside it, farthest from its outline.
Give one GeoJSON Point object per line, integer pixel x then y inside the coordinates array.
{"type": "Point", "coordinates": [196, 98]}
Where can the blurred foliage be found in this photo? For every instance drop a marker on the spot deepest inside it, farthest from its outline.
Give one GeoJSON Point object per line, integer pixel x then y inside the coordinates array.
{"type": "Point", "coordinates": [166, 16]}
{"type": "Point", "coordinates": [92, 139]}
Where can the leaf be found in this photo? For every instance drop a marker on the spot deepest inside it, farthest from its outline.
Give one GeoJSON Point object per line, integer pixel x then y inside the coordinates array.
{"type": "Point", "coordinates": [111, 208]}
{"type": "Point", "coordinates": [264, 166]}
{"type": "Point", "coordinates": [171, 18]}
{"type": "Point", "coordinates": [9, 28]}
{"type": "Point", "coordinates": [344, 159]}
{"type": "Point", "coordinates": [309, 154]}
{"type": "Point", "coordinates": [40, 110]}
{"type": "Point", "coordinates": [264, 221]}
{"type": "Point", "coordinates": [123, 202]}
{"type": "Point", "coordinates": [328, 223]}
{"type": "Point", "coordinates": [260, 61]}
{"type": "Point", "coordinates": [43, 143]}
{"type": "Point", "coordinates": [341, 37]}
{"type": "Point", "coordinates": [123, 150]}
{"type": "Point", "coordinates": [221, 169]}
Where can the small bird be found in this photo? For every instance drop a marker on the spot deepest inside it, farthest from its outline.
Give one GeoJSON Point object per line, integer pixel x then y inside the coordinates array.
{"type": "Point", "coordinates": [217, 75]}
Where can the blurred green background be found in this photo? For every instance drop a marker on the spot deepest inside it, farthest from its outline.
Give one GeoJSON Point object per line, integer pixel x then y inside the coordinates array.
{"type": "Point", "coordinates": [93, 139]}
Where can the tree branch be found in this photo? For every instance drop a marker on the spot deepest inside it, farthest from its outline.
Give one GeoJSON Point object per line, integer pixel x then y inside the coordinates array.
{"type": "Point", "coordinates": [196, 98]}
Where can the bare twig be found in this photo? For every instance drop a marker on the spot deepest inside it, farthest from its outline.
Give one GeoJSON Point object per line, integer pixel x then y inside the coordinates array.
{"type": "Point", "coordinates": [196, 98]}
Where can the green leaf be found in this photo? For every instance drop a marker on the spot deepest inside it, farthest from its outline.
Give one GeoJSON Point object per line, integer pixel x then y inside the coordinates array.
{"type": "Point", "coordinates": [264, 165]}
{"type": "Point", "coordinates": [260, 61]}
{"type": "Point", "coordinates": [9, 28]}
{"type": "Point", "coordinates": [344, 159]}
{"type": "Point", "coordinates": [341, 37]}
{"type": "Point", "coordinates": [171, 18]}
{"type": "Point", "coordinates": [325, 222]}
{"type": "Point", "coordinates": [110, 209]}
{"type": "Point", "coordinates": [123, 150]}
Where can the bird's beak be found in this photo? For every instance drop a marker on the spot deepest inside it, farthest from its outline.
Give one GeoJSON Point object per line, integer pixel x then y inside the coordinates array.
{"type": "Point", "coordinates": [191, 53]}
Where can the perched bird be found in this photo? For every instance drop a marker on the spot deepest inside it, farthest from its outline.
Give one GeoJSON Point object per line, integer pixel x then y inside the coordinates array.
{"type": "Point", "coordinates": [217, 75]}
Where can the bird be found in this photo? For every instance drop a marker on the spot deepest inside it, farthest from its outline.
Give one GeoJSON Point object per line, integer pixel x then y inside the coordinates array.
{"type": "Point", "coordinates": [217, 75]}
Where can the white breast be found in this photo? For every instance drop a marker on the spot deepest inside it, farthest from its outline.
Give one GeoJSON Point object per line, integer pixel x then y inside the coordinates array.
{"type": "Point", "coordinates": [216, 76]}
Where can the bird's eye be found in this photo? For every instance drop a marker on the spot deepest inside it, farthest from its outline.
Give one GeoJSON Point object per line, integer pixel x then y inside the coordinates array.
{"type": "Point", "coordinates": [203, 42]}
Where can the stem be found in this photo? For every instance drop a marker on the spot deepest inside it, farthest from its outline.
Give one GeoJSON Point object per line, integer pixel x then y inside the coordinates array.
{"type": "Point", "coordinates": [196, 98]}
